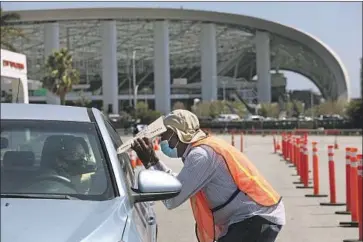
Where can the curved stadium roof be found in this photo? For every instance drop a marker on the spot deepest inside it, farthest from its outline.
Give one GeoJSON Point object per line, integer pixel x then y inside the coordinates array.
{"type": "Point", "coordinates": [291, 49]}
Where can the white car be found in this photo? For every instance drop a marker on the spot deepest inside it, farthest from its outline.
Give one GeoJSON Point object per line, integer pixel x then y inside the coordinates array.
{"type": "Point", "coordinates": [227, 118]}
{"type": "Point", "coordinates": [62, 179]}
{"type": "Point", "coordinates": [255, 118]}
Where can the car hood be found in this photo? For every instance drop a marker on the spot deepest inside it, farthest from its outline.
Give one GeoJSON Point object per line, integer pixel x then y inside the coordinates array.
{"type": "Point", "coordinates": [61, 220]}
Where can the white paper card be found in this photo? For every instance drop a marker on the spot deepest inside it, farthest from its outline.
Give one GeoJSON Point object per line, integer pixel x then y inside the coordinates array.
{"type": "Point", "coordinates": [152, 130]}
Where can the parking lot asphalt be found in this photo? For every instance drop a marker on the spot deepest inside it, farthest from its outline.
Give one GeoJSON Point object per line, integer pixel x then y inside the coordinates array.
{"type": "Point", "coordinates": [307, 221]}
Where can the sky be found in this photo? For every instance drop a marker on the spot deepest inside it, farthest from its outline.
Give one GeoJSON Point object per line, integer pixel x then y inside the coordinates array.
{"type": "Point", "coordinates": [337, 24]}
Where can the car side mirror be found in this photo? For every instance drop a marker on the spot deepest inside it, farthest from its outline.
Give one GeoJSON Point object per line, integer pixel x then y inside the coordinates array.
{"type": "Point", "coordinates": [155, 185]}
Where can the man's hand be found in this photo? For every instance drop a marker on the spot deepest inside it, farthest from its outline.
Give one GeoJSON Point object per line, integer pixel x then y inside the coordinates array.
{"type": "Point", "coordinates": [145, 151]}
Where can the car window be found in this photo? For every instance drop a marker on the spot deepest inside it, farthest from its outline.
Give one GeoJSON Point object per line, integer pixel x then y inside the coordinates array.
{"type": "Point", "coordinates": [36, 143]}
{"type": "Point", "coordinates": [123, 158]}
{"type": "Point", "coordinates": [54, 157]}
{"type": "Point", "coordinates": [113, 133]}
{"type": "Point", "coordinates": [127, 169]}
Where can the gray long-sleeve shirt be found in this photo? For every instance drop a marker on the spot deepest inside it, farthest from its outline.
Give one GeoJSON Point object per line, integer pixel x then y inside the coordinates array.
{"type": "Point", "coordinates": [206, 170]}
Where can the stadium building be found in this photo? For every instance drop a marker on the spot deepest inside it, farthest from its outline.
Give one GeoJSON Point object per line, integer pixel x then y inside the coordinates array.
{"type": "Point", "coordinates": [176, 55]}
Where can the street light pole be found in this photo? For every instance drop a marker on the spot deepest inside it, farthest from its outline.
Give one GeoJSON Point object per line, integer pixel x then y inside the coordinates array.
{"type": "Point", "coordinates": [128, 70]}
{"type": "Point", "coordinates": [135, 94]}
{"type": "Point", "coordinates": [287, 105]}
{"type": "Point", "coordinates": [145, 91]}
{"type": "Point", "coordinates": [134, 76]}
{"type": "Point", "coordinates": [224, 90]}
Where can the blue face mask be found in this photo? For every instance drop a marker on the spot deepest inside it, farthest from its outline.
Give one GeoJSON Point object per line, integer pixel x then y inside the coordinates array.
{"type": "Point", "coordinates": [165, 148]}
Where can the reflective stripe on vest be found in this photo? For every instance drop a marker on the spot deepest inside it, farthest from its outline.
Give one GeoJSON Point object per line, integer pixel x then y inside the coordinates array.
{"type": "Point", "coordinates": [246, 178]}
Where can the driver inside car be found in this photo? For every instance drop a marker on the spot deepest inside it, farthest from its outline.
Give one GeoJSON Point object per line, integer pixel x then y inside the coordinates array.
{"type": "Point", "coordinates": [70, 164]}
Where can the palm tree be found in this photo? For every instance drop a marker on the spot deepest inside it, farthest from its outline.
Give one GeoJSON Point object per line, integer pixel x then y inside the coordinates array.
{"type": "Point", "coordinates": [8, 31]}
{"type": "Point", "coordinates": [60, 75]}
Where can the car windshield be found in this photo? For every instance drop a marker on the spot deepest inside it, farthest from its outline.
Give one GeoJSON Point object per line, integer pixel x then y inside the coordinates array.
{"type": "Point", "coordinates": [53, 158]}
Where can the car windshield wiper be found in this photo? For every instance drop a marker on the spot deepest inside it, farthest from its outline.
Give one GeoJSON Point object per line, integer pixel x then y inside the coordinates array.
{"type": "Point", "coordinates": [39, 196]}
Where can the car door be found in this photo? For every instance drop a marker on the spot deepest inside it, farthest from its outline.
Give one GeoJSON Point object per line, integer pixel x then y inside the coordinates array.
{"type": "Point", "coordinates": [143, 215]}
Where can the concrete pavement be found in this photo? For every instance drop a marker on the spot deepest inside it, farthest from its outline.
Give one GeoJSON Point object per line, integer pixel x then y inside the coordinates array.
{"type": "Point", "coordinates": [307, 221]}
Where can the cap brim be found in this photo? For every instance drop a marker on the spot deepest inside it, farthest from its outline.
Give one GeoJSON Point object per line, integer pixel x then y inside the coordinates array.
{"type": "Point", "coordinates": [198, 136]}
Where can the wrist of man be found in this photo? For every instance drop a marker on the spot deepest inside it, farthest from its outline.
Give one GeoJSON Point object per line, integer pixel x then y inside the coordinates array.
{"type": "Point", "coordinates": [153, 161]}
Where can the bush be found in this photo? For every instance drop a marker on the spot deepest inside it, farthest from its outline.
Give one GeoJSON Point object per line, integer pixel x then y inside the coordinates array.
{"type": "Point", "coordinates": [145, 114]}
{"type": "Point", "coordinates": [294, 108]}
{"type": "Point", "coordinates": [331, 107]}
{"type": "Point", "coordinates": [178, 105]}
{"type": "Point", "coordinates": [269, 110]}
{"type": "Point", "coordinates": [215, 108]}
{"type": "Point", "coordinates": [354, 112]}
{"type": "Point", "coordinates": [125, 119]}
{"type": "Point", "coordinates": [82, 101]}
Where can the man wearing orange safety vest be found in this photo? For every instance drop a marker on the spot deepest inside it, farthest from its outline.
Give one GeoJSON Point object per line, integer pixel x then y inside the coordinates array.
{"type": "Point", "coordinates": [230, 199]}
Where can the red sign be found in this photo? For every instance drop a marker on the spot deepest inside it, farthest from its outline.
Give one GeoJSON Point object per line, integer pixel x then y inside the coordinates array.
{"type": "Point", "coordinates": [12, 64]}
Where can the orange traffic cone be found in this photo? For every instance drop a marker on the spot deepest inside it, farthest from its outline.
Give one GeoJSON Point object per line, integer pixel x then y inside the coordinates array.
{"type": "Point", "coordinates": [138, 162]}
{"type": "Point", "coordinates": [133, 160]}
{"type": "Point", "coordinates": [336, 146]}
{"type": "Point", "coordinates": [156, 145]}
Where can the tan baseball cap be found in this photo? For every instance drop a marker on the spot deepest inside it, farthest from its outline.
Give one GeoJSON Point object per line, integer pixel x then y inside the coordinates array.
{"type": "Point", "coordinates": [185, 124]}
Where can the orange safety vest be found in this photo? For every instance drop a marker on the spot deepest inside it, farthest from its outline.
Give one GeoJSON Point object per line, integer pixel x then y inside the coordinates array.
{"type": "Point", "coordinates": [247, 179]}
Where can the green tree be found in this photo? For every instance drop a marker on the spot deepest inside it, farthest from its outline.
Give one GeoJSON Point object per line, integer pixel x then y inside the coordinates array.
{"type": "Point", "coordinates": [178, 105]}
{"type": "Point", "coordinates": [294, 108]}
{"type": "Point", "coordinates": [269, 110]}
{"type": "Point", "coordinates": [354, 112]}
{"type": "Point", "coordinates": [330, 107]}
{"type": "Point", "coordinates": [83, 101]}
{"type": "Point", "coordinates": [60, 75]}
{"type": "Point", "coordinates": [361, 77]}
{"type": "Point", "coordinates": [141, 107]}
{"type": "Point", "coordinates": [310, 112]}
{"type": "Point", "coordinates": [215, 108]}
{"type": "Point", "coordinates": [145, 114]}
{"type": "Point", "coordinates": [8, 31]}
{"type": "Point", "coordinates": [209, 109]}
{"type": "Point", "coordinates": [239, 108]}
{"type": "Point", "coordinates": [202, 109]}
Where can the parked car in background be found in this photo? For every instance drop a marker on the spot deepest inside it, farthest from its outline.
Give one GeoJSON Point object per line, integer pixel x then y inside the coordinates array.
{"type": "Point", "coordinates": [228, 118]}
{"type": "Point", "coordinates": [330, 117]}
{"type": "Point", "coordinates": [305, 118]}
{"type": "Point", "coordinates": [255, 118]}
{"type": "Point", "coordinates": [115, 119]}
{"type": "Point", "coordinates": [62, 180]}
{"type": "Point", "coordinates": [270, 119]}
